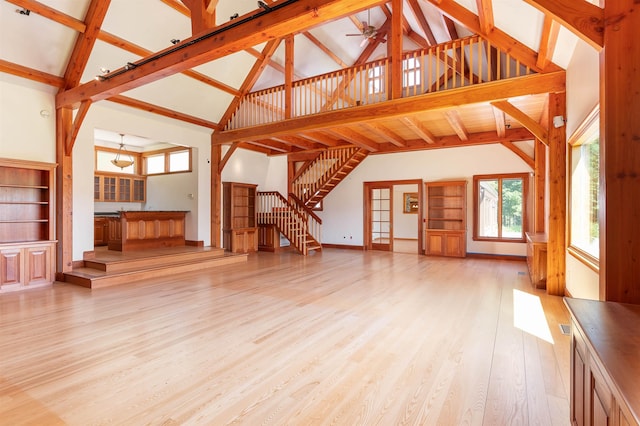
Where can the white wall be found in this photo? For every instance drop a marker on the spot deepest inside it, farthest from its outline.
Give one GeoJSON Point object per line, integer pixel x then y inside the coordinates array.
{"type": "Point", "coordinates": [24, 133]}
{"type": "Point", "coordinates": [343, 211]}
{"type": "Point", "coordinates": [583, 85]}
{"type": "Point", "coordinates": [405, 225]}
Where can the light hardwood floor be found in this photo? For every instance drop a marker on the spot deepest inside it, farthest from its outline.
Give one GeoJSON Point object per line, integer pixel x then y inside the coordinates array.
{"type": "Point", "coordinates": [340, 337]}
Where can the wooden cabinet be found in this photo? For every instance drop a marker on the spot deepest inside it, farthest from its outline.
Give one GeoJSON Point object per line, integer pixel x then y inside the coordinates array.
{"type": "Point", "coordinates": [100, 231]}
{"type": "Point", "coordinates": [117, 188]}
{"type": "Point", "coordinates": [239, 220]}
{"type": "Point", "coordinates": [27, 245]}
{"type": "Point", "coordinates": [446, 231]}
{"type": "Point", "coordinates": [605, 364]}
{"type": "Point", "coordinates": [537, 259]}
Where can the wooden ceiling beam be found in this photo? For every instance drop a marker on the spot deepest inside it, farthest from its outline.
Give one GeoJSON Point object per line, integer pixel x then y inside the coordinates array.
{"type": "Point", "coordinates": [203, 15]}
{"type": "Point", "coordinates": [453, 141]}
{"type": "Point", "coordinates": [353, 137]}
{"type": "Point", "coordinates": [296, 141]}
{"type": "Point", "coordinates": [582, 18]}
{"type": "Point", "coordinates": [417, 12]}
{"type": "Point", "coordinates": [451, 27]}
{"type": "Point", "coordinates": [271, 144]}
{"type": "Point", "coordinates": [31, 74]}
{"type": "Point", "coordinates": [485, 15]}
{"type": "Point", "coordinates": [51, 13]}
{"type": "Point", "coordinates": [227, 156]}
{"type": "Point", "coordinates": [497, 37]}
{"type": "Point", "coordinates": [486, 92]}
{"type": "Point", "coordinates": [231, 37]}
{"type": "Point", "coordinates": [548, 41]}
{"type": "Point", "coordinates": [75, 127]}
{"type": "Point", "coordinates": [520, 153]}
{"type": "Point", "coordinates": [321, 138]}
{"type": "Point", "coordinates": [419, 129]}
{"type": "Point", "coordinates": [325, 49]}
{"type": "Point", "coordinates": [532, 125]}
{"type": "Point", "coordinates": [385, 133]}
{"type": "Point", "coordinates": [154, 109]}
{"type": "Point", "coordinates": [456, 124]}
{"type": "Point", "coordinates": [256, 148]}
{"type": "Point", "coordinates": [501, 125]}
{"type": "Point", "coordinates": [178, 6]}
{"type": "Point", "coordinates": [85, 41]}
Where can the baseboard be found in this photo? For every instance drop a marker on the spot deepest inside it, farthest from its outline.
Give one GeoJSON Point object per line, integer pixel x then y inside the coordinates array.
{"type": "Point", "coordinates": [497, 256]}
{"type": "Point", "coordinates": [194, 243]}
{"type": "Point", "coordinates": [343, 246]}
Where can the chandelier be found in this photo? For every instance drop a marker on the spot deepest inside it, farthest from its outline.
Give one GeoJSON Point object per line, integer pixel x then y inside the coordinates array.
{"type": "Point", "coordinates": [121, 162]}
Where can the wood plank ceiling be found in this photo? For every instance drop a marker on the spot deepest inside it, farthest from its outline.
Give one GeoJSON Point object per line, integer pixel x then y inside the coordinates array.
{"type": "Point", "coordinates": [502, 113]}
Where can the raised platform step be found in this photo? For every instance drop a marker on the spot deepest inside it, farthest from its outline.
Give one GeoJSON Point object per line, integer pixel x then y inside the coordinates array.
{"type": "Point", "coordinates": [110, 268]}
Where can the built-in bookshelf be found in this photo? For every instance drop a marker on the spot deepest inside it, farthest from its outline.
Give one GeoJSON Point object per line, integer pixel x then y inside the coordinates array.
{"type": "Point", "coordinates": [239, 222]}
{"type": "Point", "coordinates": [27, 215]}
{"type": "Point", "coordinates": [446, 218]}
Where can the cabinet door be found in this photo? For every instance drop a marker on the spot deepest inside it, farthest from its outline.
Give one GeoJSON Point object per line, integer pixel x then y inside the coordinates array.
{"type": "Point", "coordinates": [97, 186]}
{"type": "Point", "coordinates": [109, 188]}
{"type": "Point", "coordinates": [11, 271]}
{"type": "Point", "coordinates": [577, 381]}
{"type": "Point", "coordinates": [38, 265]}
{"type": "Point", "coordinates": [139, 193]}
{"type": "Point", "coordinates": [454, 245]}
{"type": "Point", "coordinates": [124, 189]}
{"type": "Point", "coordinates": [435, 243]}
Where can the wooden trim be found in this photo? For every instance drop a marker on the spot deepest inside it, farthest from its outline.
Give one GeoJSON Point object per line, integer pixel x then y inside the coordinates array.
{"type": "Point", "coordinates": [216, 197]}
{"type": "Point", "coordinates": [584, 258]}
{"type": "Point", "coordinates": [540, 176]}
{"type": "Point", "coordinates": [343, 246]}
{"type": "Point", "coordinates": [64, 194]}
{"type": "Point", "coordinates": [192, 243]}
{"type": "Point", "coordinates": [497, 257]}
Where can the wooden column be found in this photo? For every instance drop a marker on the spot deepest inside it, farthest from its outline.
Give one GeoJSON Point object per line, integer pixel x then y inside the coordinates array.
{"type": "Point", "coordinates": [395, 49]}
{"type": "Point", "coordinates": [540, 177]}
{"type": "Point", "coordinates": [216, 195]}
{"type": "Point", "coordinates": [288, 76]}
{"type": "Point", "coordinates": [620, 153]}
{"type": "Point", "coordinates": [64, 194]}
{"type": "Point", "coordinates": [556, 243]}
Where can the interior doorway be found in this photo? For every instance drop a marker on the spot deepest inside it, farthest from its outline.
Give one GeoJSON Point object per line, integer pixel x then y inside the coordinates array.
{"type": "Point", "coordinates": [392, 216]}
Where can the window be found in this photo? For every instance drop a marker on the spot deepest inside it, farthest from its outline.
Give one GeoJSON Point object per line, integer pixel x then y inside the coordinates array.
{"type": "Point", "coordinates": [584, 237]}
{"type": "Point", "coordinates": [411, 68]}
{"type": "Point", "coordinates": [376, 79]}
{"type": "Point", "coordinates": [105, 155]}
{"type": "Point", "coordinates": [174, 160]}
{"type": "Point", "coordinates": [500, 207]}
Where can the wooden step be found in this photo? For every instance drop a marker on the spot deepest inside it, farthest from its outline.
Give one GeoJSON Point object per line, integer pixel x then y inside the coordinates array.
{"type": "Point", "coordinates": [155, 267]}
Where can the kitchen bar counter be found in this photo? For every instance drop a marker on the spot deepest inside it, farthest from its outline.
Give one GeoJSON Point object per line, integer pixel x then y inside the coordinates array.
{"type": "Point", "coordinates": [140, 230]}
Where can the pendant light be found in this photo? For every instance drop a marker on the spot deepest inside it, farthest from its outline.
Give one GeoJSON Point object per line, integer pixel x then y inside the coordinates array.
{"type": "Point", "coordinates": [120, 162]}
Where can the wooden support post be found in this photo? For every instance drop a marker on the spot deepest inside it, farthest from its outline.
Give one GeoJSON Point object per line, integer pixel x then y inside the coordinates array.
{"type": "Point", "coordinates": [556, 243]}
{"type": "Point", "coordinates": [64, 194]}
{"type": "Point", "coordinates": [396, 49]}
{"type": "Point", "coordinates": [216, 195]}
{"type": "Point", "coordinates": [620, 153]}
{"type": "Point", "coordinates": [540, 177]}
{"type": "Point", "coordinates": [288, 77]}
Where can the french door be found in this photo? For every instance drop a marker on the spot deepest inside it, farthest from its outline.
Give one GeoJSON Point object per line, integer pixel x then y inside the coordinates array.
{"type": "Point", "coordinates": [379, 216]}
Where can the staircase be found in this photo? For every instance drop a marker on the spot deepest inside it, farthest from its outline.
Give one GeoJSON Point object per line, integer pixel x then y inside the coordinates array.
{"type": "Point", "coordinates": [296, 222]}
{"type": "Point", "coordinates": [314, 181]}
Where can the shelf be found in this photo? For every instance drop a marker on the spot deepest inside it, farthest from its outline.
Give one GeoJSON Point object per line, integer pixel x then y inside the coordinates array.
{"type": "Point", "coordinates": [8, 185]}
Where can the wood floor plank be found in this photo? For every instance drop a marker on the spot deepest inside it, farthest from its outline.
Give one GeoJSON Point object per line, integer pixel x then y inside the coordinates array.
{"type": "Point", "coordinates": [339, 337]}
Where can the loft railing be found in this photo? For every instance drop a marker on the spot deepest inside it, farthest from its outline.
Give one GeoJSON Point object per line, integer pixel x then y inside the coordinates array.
{"type": "Point", "coordinates": [459, 63]}
{"type": "Point", "coordinates": [291, 218]}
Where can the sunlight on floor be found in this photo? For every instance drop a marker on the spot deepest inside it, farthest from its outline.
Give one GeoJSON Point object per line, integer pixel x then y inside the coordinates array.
{"type": "Point", "coordinates": [528, 315]}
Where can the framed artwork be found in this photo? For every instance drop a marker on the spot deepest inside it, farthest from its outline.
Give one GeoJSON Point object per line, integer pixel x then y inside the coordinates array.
{"type": "Point", "coordinates": [410, 204]}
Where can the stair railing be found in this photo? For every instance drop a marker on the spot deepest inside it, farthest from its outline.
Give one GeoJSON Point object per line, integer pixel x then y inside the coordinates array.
{"type": "Point", "coordinates": [291, 218]}
{"type": "Point", "coordinates": [320, 171]}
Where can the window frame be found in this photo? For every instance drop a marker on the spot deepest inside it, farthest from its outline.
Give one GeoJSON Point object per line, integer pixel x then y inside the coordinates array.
{"type": "Point", "coordinates": [525, 206]}
{"type": "Point", "coordinates": [583, 134]}
{"type": "Point", "coordinates": [167, 153]}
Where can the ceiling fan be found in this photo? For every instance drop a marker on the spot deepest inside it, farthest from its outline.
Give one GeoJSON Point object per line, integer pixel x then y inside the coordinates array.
{"type": "Point", "coordinates": [368, 31]}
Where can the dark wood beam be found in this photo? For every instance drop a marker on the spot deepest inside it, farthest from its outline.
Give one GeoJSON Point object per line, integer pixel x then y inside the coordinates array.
{"type": "Point", "coordinates": [224, 40]}
{"type": "Point", "coordinates": [548, 40]}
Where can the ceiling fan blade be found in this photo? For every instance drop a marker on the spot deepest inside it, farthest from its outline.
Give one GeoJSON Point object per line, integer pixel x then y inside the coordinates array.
{"type": "Point", "coordinates": [353, 35]}
{"type": "Point", "coordinates": [364, 41]}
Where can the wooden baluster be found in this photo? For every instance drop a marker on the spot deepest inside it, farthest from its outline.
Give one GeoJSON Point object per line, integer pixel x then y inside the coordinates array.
{"type": "Point", "coordinates": [462, 64]}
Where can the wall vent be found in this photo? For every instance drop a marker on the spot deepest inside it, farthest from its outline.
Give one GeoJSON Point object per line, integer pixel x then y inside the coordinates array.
{"type": "Point", "coordinates": [565, 329]}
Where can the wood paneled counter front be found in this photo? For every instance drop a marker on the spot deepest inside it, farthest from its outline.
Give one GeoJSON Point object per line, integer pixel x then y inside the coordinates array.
{"type": "Point", "coordinates": [605, 363]}
{"type": "Point", "coordinates": [140, 230]}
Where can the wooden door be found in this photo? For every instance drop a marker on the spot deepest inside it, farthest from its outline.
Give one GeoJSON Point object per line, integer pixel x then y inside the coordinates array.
{"type": "Point", "coordinates": [379, 229]}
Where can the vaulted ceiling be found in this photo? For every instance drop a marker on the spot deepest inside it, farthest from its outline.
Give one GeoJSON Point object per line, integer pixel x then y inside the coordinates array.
{"type": "Point", "coordinates": [43, 42]}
